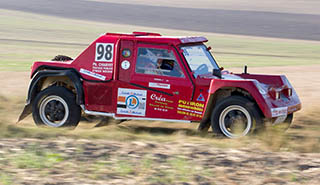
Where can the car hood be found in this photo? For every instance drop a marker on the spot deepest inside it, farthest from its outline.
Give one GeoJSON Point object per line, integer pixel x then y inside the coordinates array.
{"type": "Point", "coordinates": [231, 77]}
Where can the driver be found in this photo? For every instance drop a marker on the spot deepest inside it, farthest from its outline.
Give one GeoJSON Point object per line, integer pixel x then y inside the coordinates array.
{"type": "Point", "coordinates": [169, 67]}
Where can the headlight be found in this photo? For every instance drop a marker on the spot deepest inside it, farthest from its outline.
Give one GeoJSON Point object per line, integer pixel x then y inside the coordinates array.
{"type": "Point", "coordinates": [289, 92]}
{"type": "Point", "coordinates": [277, 96]}
{"type": "Point", "coordinates": [274, 93]}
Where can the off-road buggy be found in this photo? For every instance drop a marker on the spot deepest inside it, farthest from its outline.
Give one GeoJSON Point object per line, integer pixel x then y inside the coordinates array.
{"type": "Point", "coordinates": [146, 76]}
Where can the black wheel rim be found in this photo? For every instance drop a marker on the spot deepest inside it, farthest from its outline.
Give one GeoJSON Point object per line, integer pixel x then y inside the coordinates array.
{"type": "Point", "coordinates": [53, 111]}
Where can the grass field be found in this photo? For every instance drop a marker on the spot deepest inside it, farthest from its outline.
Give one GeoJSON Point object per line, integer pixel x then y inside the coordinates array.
{"type": "Point", "coordinates": [28, 37]}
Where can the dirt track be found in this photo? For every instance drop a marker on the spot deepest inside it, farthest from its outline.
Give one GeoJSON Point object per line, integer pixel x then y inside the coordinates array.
{"type": "Point", "coordinates": [63, 160]}
{"type": "Point", "coordinates": [34, 161]}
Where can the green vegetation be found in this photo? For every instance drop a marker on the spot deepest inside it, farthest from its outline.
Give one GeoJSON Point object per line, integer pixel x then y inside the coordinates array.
{"type": "Point", "coordinates": [123, 168]}
{"type": "Point", "coordinates": [28, 37]}
{"type": "Point", "coordinates": [5, 179]}
{"type": "Point", "coordinates": [37, 159]}
{"type": "Point", "coordinates": [182, 169]}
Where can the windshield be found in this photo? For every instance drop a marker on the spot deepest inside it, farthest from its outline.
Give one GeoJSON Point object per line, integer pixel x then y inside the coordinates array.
{"type": "Point", "coordinates": [199, 59]}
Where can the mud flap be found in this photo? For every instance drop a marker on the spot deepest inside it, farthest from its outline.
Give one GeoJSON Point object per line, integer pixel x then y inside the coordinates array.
{"type": "Point", "coordinates": [26, 111]}
{"type": "Point", "coordinates": [204, 125]}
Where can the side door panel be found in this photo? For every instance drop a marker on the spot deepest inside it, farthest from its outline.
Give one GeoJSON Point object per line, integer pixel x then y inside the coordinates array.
{"type": "Point", "coordinates": [96, 65]}
{"type": "Point", "coordinates": [163, 91]}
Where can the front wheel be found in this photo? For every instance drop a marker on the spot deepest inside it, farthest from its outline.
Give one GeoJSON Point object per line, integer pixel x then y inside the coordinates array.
{"type": "Point", "coordinates": [56, 107]}
{"type": "Point", "coordinates": [235, 117]}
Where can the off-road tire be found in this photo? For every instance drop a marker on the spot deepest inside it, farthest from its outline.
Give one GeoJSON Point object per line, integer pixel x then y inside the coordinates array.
{"type": "Point", "coordinates": [240, 106]}
{"type": "Point", "coordinates": [56, 101]}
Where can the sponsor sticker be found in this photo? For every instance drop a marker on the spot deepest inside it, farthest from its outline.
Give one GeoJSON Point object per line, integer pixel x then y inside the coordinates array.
{"type": "Point", "coordinates": [190, 108]}
{"type": "Point", "coordinates": [160, 103]}
{"type": "Point", "coordinates": [92, 74]}
{"type": "Point", "coordinates": [159, 85]}
{"type": "Point", "coordinates": [102, 67]}
{"type": "Point", "coordinates": [131, 102]}
{"type": "Point", "coordinates": [280, 111]}
{"type": "Point", "coordinates": [200, 97]}
{"type": "Point", "coordinates": [125, 64]}
{"type": "Point", "coordinates": [126, 53]}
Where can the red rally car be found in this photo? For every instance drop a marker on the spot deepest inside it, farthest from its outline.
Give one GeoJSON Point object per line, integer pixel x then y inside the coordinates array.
{"type": "Point", "coordinates": [146, 76]}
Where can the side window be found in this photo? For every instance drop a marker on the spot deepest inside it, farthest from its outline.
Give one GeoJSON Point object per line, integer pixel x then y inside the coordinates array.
{"type": "Point", "coordinates": [158, 62]}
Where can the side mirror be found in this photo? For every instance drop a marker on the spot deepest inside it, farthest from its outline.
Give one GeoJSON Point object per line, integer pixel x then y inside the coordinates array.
{"type": "Point", "coordinates": [217, 72]}
{"type": "Point", "coordinates": [209, 48]}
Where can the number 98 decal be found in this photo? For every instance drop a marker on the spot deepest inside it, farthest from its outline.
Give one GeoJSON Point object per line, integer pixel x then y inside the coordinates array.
{"type": "Point", "coordinates": [104, 52]}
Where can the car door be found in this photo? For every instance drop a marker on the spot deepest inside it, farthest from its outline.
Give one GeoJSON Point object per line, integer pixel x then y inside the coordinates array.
{"type": "Point", "coordinates": [160, 72]}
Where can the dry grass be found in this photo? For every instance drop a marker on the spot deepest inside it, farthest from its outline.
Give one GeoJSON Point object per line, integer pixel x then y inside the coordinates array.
{"type": "Point", "coordinates": [152, 153]}
{"type": "Point", "coordinates": [301, 137]}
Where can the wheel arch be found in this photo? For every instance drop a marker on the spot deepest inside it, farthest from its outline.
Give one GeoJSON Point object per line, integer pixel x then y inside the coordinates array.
{"type": "Point", "coordinates": [45, 78]}
{"type": "Point", "coordinates": [220, 94]}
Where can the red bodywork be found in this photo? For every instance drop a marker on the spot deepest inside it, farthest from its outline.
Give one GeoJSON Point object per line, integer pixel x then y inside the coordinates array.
{"type": "Point", "coordinates": [112, 85]}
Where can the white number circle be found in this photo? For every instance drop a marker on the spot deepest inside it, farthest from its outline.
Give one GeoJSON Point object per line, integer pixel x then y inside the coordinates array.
{"type": "Point", "coordinates": [125, 64]}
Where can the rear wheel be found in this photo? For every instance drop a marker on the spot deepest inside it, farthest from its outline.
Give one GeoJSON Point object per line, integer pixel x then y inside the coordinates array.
{"type": "Point", "coordinates": [235, 116]}
{"type": "Point", "coordinates": [56, 107]}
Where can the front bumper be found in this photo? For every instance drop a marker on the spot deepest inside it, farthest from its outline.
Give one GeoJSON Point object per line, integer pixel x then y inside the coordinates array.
{"type": "Point", "coordinates": [280, 114]}
{"type": "Point", "coordinates": [282, 111]}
